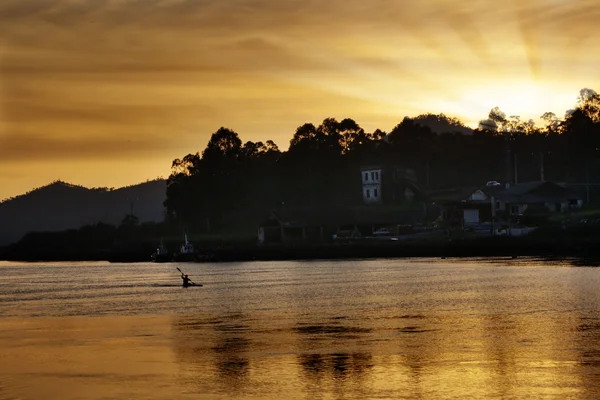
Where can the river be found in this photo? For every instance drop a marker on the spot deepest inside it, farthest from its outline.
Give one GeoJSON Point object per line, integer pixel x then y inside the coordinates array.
{"type": "Point", "coordinates": [353, 329]}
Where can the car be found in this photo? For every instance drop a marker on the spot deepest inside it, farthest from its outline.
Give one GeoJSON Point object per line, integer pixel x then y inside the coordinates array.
{"type": "Point", "coordinates": [493, 183]}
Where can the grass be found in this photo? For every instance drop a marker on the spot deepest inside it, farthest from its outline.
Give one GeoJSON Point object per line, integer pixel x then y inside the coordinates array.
{"type": "Point", "coordinates": [586, 212]}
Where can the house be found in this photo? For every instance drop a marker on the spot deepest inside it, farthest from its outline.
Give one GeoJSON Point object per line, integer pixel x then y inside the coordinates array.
{"type": "Point", "coordinates": [371, 184]}
{"type": "Point", "coordinates": [388, 184]}
{"type": "Point", "coordinates": [510, 201]}
{"type": "Point", "coordinates": [515, 200]}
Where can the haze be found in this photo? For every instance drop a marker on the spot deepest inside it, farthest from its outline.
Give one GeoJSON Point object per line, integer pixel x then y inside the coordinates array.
{"type": "Point", "coordinates": [109, 92]}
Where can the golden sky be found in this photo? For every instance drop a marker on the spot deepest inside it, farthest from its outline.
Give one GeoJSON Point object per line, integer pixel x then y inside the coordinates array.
{"type": "Point", "coordinates": [109, 92]}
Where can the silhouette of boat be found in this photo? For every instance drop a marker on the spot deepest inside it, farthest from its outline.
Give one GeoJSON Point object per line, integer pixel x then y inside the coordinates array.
{"type": "Point", "coordinates": [186, 253]}
{"type": "Point", "coordinates": [162, 254]}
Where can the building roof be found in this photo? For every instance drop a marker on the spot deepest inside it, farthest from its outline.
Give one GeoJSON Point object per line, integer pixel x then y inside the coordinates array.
{"type": "Point", "coordinates": [523, 193]}
{"type": "Point", "coordinates": [370, 167]}
{"type": "Point", "coordinates": [530, 192]}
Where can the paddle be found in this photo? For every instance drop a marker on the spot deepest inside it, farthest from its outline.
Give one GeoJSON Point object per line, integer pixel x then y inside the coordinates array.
{"type": "Point", "coordinates": [188, 278]}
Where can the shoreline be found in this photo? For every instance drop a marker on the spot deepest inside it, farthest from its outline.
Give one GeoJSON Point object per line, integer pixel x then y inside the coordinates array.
{"type": "Point", "coordinates": [499, 247]}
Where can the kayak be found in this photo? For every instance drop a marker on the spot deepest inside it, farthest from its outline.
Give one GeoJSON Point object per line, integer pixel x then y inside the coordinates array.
{"type": "Point", "coordinates": [186, 286]}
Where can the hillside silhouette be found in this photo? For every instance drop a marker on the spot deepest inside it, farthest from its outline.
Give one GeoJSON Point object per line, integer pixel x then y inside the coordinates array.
{"type": "Point", "coordinates": [60, 206]}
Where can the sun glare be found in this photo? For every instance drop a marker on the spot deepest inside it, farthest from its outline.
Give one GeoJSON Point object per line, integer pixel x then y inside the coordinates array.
{"type": "Point", "coordinates": [526, 100]}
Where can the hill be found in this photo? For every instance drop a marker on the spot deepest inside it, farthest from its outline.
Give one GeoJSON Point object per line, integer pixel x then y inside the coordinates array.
{"type": "Point", "coordinates": [59, 206]}
{"type": "Point", "coordinates": [442, 124]}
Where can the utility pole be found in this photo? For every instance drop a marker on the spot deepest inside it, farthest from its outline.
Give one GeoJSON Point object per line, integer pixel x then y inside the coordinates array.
{"type": "Point", "coordinates": [508, 208]}
{"type": "Point", "coordinates": [507, 172]}
{"type": "Point", "coordinates": [542, 166]}
{"type": "Point", "coordinates": [587, 181]}
{"type": "Point", "coordinates": [493, 205]}
{"type": "Point", "coordinates": [516, 170]}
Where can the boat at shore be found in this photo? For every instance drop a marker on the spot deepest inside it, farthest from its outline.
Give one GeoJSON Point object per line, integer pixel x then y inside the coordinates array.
{"type": "Point", "coordinates": [162, 254]}
{"type": "Point", "coordinates": [187, 252]}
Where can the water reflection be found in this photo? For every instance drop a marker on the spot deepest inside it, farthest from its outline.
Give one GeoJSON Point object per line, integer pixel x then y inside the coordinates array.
{"type": "Point", "coordinates": [342, 366]}
{"type": "Point", "coordinates": [230, 347]}
{"type": "Point", "coordinates": [491, 333]}
{"type": "Point", "coordinates": [341, 373]}
{"type": "Point", "coordinates": [585, 262]}
{"type": "Point", "coordinates": [418, 345]}
{"type": "Point", "coordinates": [214, 350]}
{"type": "Point", "coordinates": [436, 356]}
{"type": "Point", "coordinates": [588, 348]}
{"type": "Point", "coordinates": [334, 357]}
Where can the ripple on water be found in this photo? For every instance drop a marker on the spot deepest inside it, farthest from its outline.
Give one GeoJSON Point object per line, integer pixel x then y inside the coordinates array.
{"type": "Point", "coordinates": [380, 329]}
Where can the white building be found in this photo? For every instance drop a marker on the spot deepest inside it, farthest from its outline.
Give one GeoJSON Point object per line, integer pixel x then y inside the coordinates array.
{"type": "Point", "coordinates": [371, 185]}
{"type": "Point", "coordinates": [515, 200]}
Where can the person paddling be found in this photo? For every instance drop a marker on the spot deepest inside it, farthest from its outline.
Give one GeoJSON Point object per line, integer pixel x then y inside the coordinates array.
{"type": "Point", "coordinates": [186, 281]}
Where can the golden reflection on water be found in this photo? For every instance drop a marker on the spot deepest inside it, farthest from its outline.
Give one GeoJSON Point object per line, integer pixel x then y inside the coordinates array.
{"type": "Point", "coordinates": [412, 357]}
{"type": "Point", "coordinates": [480, 333]}
{"type": "Point", "coordinates": [236, 355]}
{"type": "Point", "coordinates": [86, 358]}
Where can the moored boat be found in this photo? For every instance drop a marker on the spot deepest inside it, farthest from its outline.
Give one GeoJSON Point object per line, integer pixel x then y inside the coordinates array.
{"type": "Point", "coordinates": [186, 253]}
{"type": "Point", "coordinates": [162, 254]}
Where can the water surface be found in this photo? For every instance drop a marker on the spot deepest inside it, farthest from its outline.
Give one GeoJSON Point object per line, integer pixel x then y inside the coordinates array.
{"type": "Point", "coordinates": [361, 329]}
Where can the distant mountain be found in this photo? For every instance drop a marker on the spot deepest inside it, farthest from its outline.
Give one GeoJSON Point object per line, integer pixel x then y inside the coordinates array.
{"type": "Point", "coordinates": [59, 206]}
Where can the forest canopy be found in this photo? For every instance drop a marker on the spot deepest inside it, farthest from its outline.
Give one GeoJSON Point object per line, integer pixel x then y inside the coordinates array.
{"type": "Point", "coordinates": [322, 163]}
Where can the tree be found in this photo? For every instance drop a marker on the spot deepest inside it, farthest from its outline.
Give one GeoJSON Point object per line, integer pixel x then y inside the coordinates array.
{"type": "Point", "coordinates": [589, 103]}
{"type": "Point", "coordinates": [378, 134]}
{"type": "Point", "coordinates": [223, 144]}
{"type": "Point", "coordinates": [552, 122]}
{"type": "Point", "coordinates": [269, 147]}
{"type": "Point", "coordinates": [251, 150]}
{"type": "Point", "coordinates": [499, 117]}
{"type": "Point", "coordinates": [351, 136]}
{"type": "Point", "coordinates": [322, 163]}
{"type": "Point", "coordinates": [188, 165]}
{"type": "Point", "coordinates": [440, 123]}
{"type": "Point", "coordinates": [305, 137]}
{"type": "Point", "coordinates": [581, 130]}
{"type": "Point", "coordinates": [410, 138]}
{"type": "Point", "coordinates": [488, 125]}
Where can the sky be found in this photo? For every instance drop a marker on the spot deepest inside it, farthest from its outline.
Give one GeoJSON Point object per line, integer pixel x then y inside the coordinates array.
{"type": "Point", "coordinates": [109, 92]}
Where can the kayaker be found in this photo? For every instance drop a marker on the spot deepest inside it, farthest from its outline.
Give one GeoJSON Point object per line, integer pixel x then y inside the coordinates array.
{"type": "Point", "coordinates": [186, 280]}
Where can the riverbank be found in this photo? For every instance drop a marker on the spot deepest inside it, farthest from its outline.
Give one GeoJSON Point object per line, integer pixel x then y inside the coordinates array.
{"type": "Point", "coordinates": [482, 247]}
{"type": "Point", "coordinates": [492, 247]}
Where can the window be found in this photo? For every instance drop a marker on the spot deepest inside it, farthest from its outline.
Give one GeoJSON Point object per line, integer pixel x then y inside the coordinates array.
{"type": "Point", "coordinates": [377, 175]}
{"type": "Point", "coordinates": [372, 176]}
{"type": "Point", "coordinates": [374, 192]}
{"type": "Point", "coordinates": [497, 205]}
{"type": "Point", "coordinates": [368, 193]}
{"type": "Point", "coordinates": [366, 176]}
{"type": "Point", "coordinates": [514, 209]}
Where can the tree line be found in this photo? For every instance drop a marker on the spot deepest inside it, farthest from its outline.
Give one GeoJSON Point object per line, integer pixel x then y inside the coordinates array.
{"type": "Point", "coordinates": [231, 181]}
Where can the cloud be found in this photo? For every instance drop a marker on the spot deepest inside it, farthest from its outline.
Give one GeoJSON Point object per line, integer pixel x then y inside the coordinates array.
{"type": "Point", "coordinates": [81, 77]}
{"type": "Point", "coordinates": [33, 147]}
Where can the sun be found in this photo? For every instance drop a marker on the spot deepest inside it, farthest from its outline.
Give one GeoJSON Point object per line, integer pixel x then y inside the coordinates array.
{"type": "Point", "coordinates": [528, 100]}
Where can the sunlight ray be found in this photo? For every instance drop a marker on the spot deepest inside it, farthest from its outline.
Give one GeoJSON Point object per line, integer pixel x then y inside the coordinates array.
{"type": "Point", "coordinates": [463, 21]}
{"type": "Point", "coordinates": [530, 34]}
{"type": "Point", "coordinates": [353, 78]}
